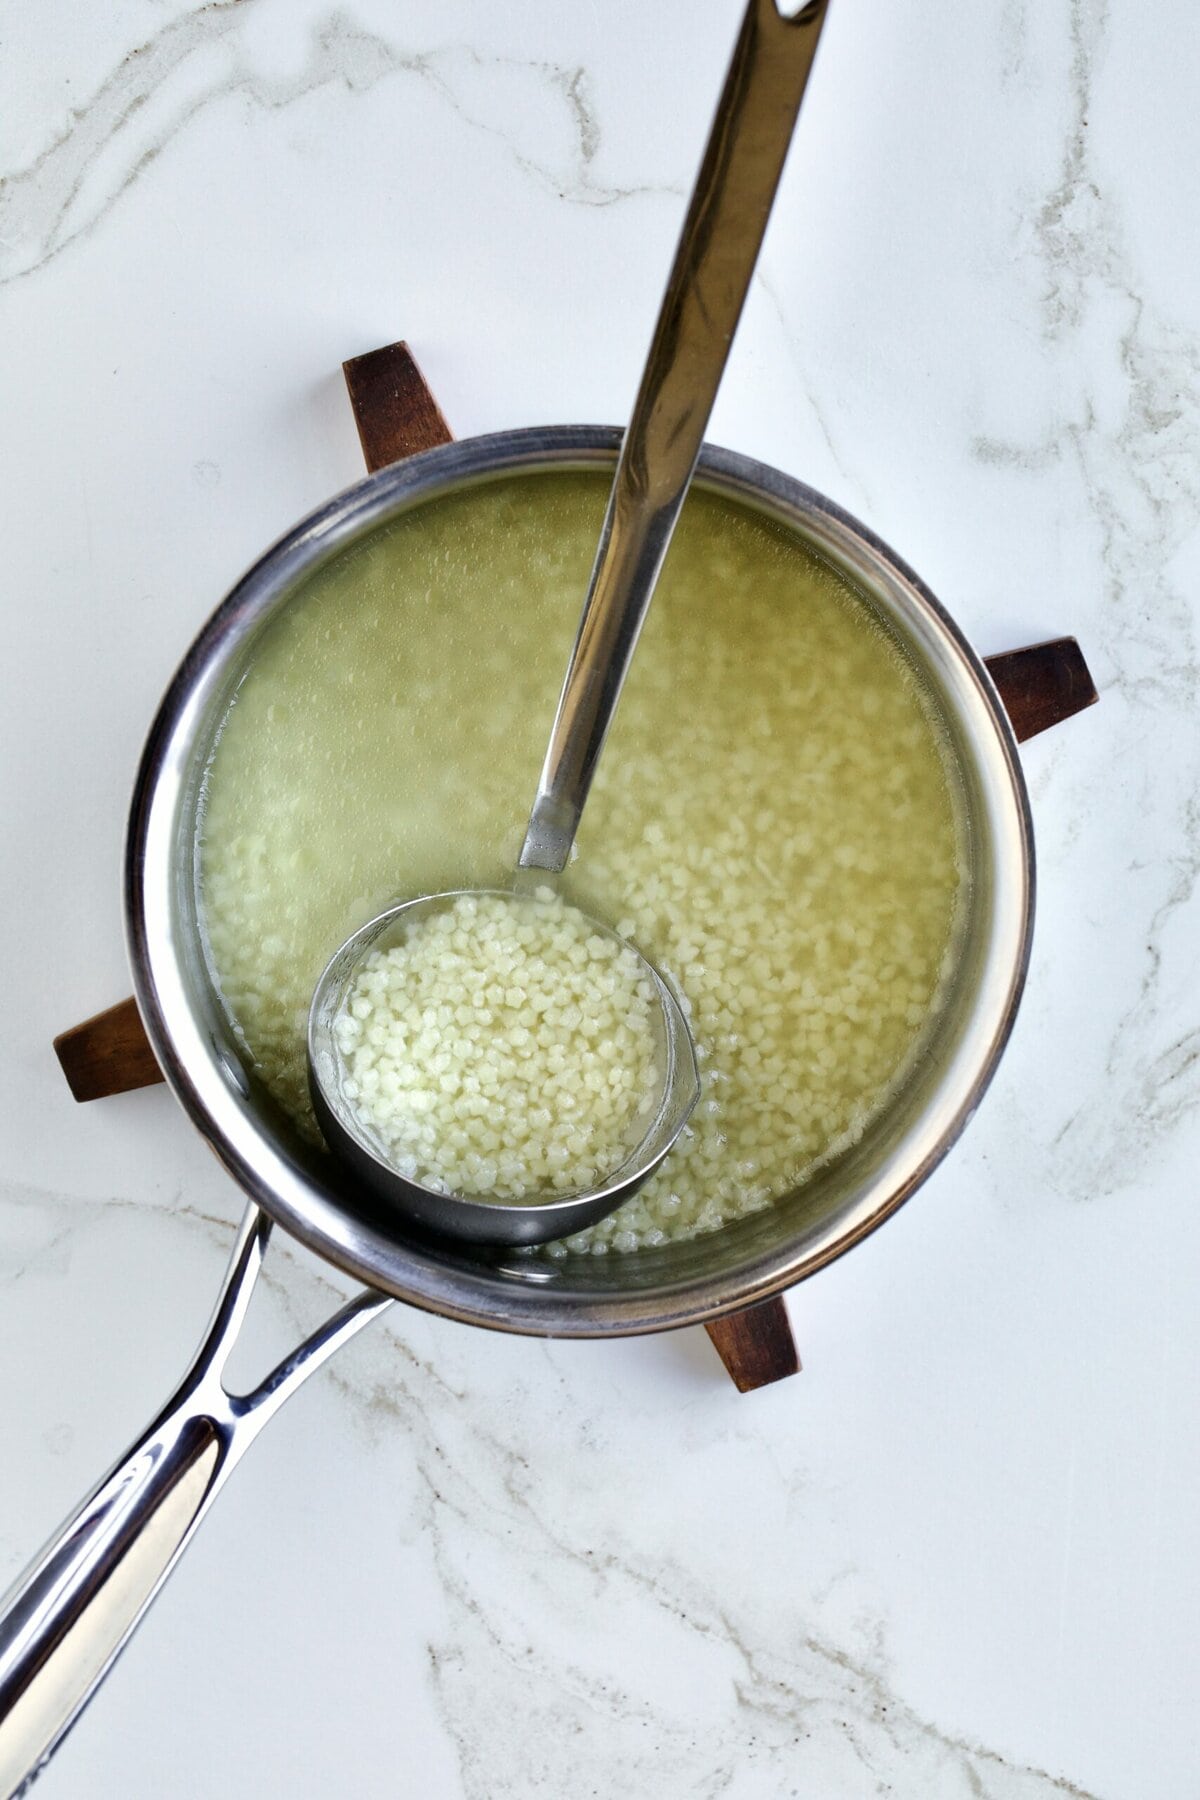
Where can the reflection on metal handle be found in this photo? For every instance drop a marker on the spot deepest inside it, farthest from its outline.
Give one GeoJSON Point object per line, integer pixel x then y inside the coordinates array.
{"type": "Point", "coordinates": [713, 265]}
{"type": "Point", "coordinates": [74, 1609]}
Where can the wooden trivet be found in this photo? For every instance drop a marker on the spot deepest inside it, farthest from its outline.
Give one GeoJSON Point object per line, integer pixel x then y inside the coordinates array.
{"type": "Point", "coordinates": [397, 416]}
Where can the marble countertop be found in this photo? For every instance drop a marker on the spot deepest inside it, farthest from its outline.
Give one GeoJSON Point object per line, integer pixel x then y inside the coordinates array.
{"type": "Point", "coordinates": [957, 1556]}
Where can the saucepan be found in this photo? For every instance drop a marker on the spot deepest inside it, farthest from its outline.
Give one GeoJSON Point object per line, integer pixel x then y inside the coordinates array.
{"type": "Point", "coordinates": [678, 1284]}
{"type": "Point", "coordinates": [68, 1618]}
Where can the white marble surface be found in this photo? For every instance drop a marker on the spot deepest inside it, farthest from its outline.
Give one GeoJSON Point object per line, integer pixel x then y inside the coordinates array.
{"type": "Point", "coordinates": [958, 1555]}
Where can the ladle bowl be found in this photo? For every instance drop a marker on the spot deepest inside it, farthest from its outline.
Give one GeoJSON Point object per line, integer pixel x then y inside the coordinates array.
{"type": "Point", "coordinates": [475, 1220]}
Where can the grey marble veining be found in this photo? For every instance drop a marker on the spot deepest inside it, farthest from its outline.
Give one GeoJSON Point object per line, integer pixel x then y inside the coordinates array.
{"type": "Point", "coordinates": [956, 1556]}
{"type": "Point", "coordinates": [1130, 433]}
{"type": "Point", "coordinates": [201, 60]}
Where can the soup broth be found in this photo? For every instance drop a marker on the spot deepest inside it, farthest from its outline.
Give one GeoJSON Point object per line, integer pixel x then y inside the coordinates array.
{"type": "Point", "coordinates": [776, 821]}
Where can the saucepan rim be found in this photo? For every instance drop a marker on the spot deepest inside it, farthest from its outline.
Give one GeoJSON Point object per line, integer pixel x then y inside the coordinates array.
{"type": "Point", "coordinates": [213, 1092]}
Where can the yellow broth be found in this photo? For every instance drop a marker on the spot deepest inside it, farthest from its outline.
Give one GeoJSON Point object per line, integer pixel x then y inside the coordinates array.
{"type": "Point", "coordinates": [776, 821]}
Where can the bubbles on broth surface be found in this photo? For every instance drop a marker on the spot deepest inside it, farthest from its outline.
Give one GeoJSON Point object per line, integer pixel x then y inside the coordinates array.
{"type": "Point", "coordinates": [775, 821]}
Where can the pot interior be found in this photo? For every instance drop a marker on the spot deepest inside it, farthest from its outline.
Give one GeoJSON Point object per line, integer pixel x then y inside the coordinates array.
{"type": "Point", "coordinates": [651, 1288]}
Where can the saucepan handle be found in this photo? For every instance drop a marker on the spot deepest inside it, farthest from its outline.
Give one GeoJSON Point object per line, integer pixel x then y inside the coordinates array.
{"type": "Point", "coordinates": [72, 1611]}
{"type": "Point", "coordinates": [69, 1616]}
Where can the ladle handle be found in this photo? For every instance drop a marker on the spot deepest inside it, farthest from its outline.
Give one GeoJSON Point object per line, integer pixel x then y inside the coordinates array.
{"type": "Point", "coordinates": [717, 252]}
{"type": "Point", "coordinates": [72, 1612]}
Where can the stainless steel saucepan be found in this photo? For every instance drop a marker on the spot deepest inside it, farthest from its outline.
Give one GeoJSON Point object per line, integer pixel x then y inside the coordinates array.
{"type": "Point", "coordinates": [69, 1616]}
{"type": "Point", "coordinates": [306, 1193]}
{"type": "Point", "coordinates": [68, 1619]}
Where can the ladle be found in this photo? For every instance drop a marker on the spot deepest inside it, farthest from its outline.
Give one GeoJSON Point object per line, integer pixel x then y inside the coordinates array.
{"type": "Point", "coordinates": [72, 1611]}
{"type": "Point", "coordinates": [714, 262]}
